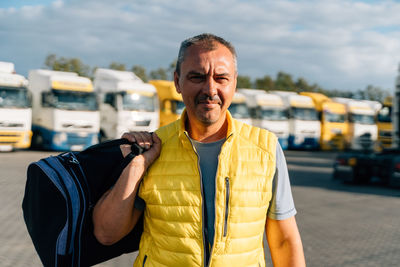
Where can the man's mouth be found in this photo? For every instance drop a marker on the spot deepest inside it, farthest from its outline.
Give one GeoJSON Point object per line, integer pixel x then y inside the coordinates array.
{"type": "Point", "coordinates": [209, 100]}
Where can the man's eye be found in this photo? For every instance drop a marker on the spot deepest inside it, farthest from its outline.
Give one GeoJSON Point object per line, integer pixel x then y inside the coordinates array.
{"type": "Point", "coordinates": [196, 78]}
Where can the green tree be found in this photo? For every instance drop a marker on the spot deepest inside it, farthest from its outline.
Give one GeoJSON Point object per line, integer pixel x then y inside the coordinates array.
{"type": "Point", "coordinates": [302, 85]}
{"type": "Point", "coordinates": [141, 72]}
{"type": "Point", "coordinates": [243, 81]}
{"type": "Point", "coordinates": [265, 83]}
{"type": "Point", "coordinates": [159, 74]}
{"type": "Point", "coordinates": [171, 70]}
{"type": "Point", "coordinates": [67, 64]}
{"type": "Point", "coordinates": [284, 82]}
{"type": "Point", "coordinates": [117, 66]}
{"type": "Point", "coordinates": [373, 93]}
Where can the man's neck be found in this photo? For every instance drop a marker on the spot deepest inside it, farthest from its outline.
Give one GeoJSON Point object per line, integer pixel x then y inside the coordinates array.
{"type": "Point", "coordinates": [207, 133]}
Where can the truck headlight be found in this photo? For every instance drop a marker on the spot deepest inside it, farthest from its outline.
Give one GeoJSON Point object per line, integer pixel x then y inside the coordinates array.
{"type": "Point", "coordinates": [95, 139]}
{"type": "Point", "coordinates": [60, 138]}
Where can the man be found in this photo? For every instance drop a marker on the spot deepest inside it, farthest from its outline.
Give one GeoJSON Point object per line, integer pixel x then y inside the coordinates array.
{"type": "Point", "coordinates": [211, 184]}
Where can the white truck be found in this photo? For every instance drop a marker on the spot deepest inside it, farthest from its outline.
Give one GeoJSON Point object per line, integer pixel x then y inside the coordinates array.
{"type": "Point", "coordinates": [65, 111]}
{"type": "Point", "coordinates": [239, 109]}
{"type": "Point", "coordinates": [15, 109]}
{"type": "Point", "coordinates": [362, 127]}
{"type": "Point", "coordinates": [127, 103]}
{"type": "Point", "coordinates": [304, 125]}
{"type": "Point", "coordinates": [268, 112]}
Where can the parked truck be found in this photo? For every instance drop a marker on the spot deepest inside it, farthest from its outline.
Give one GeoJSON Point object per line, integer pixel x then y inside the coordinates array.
{"type": "Point", "coordinates": [15, 109]}
{"type": "Point", "coordinates": [362, 127]}
{"type": "Point", "coordinates": [384, 124]}
{"type": "Point", "coordinates": [126, 103]}
{"type": "Point", "coordinates": [171, 103]}
{"type": "Point", "coordinates": [333, 118]}
{"type": "Point", "coordinates": [304, 126]}
{"type": "Point", "coordinates": [268, 112]}
{"type": "Point", "coordinates": [365, 165]}
{"type": "Point", "coordinates": [65, 113]}
{"type": "Point", "coordinates": [239, 109]}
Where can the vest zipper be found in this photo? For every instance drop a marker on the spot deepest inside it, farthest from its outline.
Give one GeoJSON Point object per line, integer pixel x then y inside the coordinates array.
{"type": "Point", "coordinates": [144, 260]}
{"type": "Point", "coordinates": [205, 246]}
{"type": "Point", "coordinates": [226, 205]}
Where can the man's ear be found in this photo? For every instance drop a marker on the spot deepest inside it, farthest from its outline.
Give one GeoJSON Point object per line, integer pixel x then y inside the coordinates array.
{"type": "Point", "coordinates": [176, 81]}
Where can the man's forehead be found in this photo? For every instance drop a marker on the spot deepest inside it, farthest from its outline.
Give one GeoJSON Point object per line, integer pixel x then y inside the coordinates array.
{"type": "Point", "coordinates": [197, 55]}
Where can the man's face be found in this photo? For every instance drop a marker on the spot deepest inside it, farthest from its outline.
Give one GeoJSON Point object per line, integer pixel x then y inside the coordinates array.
{"type": "Point", "coordinates": [207, 83]}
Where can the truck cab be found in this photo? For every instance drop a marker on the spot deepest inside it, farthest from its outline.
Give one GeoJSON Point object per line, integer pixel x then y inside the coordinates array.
{"type": "Point", "coordinates": [239, 109]}
{"type": "Point", "coordinates": [333, 118]}
{"type": "Point", "coordinates": [15, 109]}
{"type": "Point", "coordinates": [127, 103]}
{"type": "Point", "coordinates": [65, 112]}
{"type": "Point", "coordinates": [268, 112]}
{"type": "Point", "coordinates": [171, 103]}
{"type": "Point", "coordinates": [384, 124]}
{"type": "Point", "coordinates": [362, 127]}
{"type": "Point", "coordinates": [304, 125]}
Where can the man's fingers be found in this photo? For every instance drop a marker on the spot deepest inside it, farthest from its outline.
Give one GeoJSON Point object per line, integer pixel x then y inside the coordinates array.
{"type": "Point", "coordinates": [129, 136]}
{"type": "Point", "coordinates": [143, 139]}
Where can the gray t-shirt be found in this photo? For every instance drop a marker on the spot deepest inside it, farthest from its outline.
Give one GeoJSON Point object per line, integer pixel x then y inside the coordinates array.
{"type": "Point", "coordinates": [281, 206]}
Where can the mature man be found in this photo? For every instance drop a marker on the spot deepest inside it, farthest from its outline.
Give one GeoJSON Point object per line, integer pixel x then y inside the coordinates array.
{"type": "Point", "coordinates": [209, 184]}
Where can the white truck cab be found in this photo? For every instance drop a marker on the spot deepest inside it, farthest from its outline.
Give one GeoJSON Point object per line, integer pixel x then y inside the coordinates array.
{"type": "Point", "coordinates": [127, 103]}
{"type": "Point", "coordinates": [268, 112]}
{"type": "Point", "coordinates": [65, 110]}
{"type": "Point", "coordinates": [239, 109]}
{"type": "Point", "coordinates": [304, 125]}
{"type": "Point", "coordinates": [15, 109]}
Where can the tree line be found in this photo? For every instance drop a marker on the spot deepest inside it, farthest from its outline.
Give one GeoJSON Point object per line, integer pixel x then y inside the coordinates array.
{"type": "Point", "coordinates": [283, 81]}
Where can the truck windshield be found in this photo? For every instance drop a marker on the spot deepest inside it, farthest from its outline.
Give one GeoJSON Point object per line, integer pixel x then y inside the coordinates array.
{"type": "Point", "coordinates": [361, 118]}
{"type": "Point", "coordinates": [306, 114]}
{"type": "Point", "coordinates": [385, 114]}
{"type": "Point", "coordinates": [334, 117]}
{"type": "Point", "coordinates": [14, 97]}
{"type": "Point", "coordinates": [239, 110]}
{"type": "Point", "coordinates": [138, 102]}
{"type": "Point", "coordinates": [274, 114]}
{"type": "Point", "coordinates": [72, 100]}
{"type": "Point", "coordinates": [179, 106]}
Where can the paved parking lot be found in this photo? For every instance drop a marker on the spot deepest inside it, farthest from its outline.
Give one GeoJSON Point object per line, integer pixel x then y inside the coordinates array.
{"type": "Point", "coordinates": [340, 224]}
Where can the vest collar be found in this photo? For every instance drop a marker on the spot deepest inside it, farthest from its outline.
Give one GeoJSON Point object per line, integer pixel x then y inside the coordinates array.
{"type": "Point", "coordinates": [232, 125]}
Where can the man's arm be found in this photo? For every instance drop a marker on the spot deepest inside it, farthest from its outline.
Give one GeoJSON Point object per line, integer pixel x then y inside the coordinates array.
{"type": "Point", "coordinates": [285, 243]}
{"type": "Point", "coordinates": [114, 215]}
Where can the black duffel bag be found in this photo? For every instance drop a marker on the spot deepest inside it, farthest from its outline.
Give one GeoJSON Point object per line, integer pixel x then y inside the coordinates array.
{"type": "Point", "coordinates": [60, 193]}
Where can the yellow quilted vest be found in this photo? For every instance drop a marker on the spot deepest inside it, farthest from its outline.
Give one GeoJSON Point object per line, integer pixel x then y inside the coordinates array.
{"type": "Point", "coordinates": [172, 190]}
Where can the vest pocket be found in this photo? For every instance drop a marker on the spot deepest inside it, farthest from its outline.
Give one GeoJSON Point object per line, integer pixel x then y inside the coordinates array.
{"type": "Point", "coordinates": [226, 205]}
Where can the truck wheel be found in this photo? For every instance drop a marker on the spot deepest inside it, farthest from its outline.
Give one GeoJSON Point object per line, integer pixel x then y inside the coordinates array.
{"type": "Point", "coordinates": [37, 141]}
{"type": "Point", "coordinates": [361, 175]}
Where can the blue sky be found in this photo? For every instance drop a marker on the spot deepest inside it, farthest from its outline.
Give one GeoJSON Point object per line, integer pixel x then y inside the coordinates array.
{"type": "Point", "coordinates": [338, 44]}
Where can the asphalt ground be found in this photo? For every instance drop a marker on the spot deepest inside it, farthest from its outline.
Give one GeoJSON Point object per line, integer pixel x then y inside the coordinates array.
{"type": "Point", "coordinates": [340, 224]}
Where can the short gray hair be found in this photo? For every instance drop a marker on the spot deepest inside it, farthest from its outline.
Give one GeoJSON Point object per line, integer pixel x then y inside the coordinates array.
{"type": "Point", "coordinates": [208, 41]}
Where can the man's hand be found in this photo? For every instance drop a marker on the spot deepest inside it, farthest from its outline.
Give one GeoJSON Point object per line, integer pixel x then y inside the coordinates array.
{"type": "Point", "coordinates": [149, 141]}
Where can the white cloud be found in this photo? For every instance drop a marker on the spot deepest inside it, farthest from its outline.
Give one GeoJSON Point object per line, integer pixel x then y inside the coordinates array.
{"type": "Point", "coordinates": [338, 44]}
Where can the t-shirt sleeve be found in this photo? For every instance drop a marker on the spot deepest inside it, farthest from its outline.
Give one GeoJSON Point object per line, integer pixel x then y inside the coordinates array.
{"type": "Point", "coordinates": [282, 204]}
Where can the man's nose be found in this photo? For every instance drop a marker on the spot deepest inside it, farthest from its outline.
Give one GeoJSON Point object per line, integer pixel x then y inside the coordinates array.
{"type": "Point", "coordinates": [210, 86]}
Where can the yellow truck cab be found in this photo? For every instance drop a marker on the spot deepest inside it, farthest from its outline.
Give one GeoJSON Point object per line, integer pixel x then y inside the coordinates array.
{"type": "Point", "coordinates": [384, 123]}
{"type": "Point", "coordinates": [171, 103]}
{"type": "Point", "coordinates": [334, 124]}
